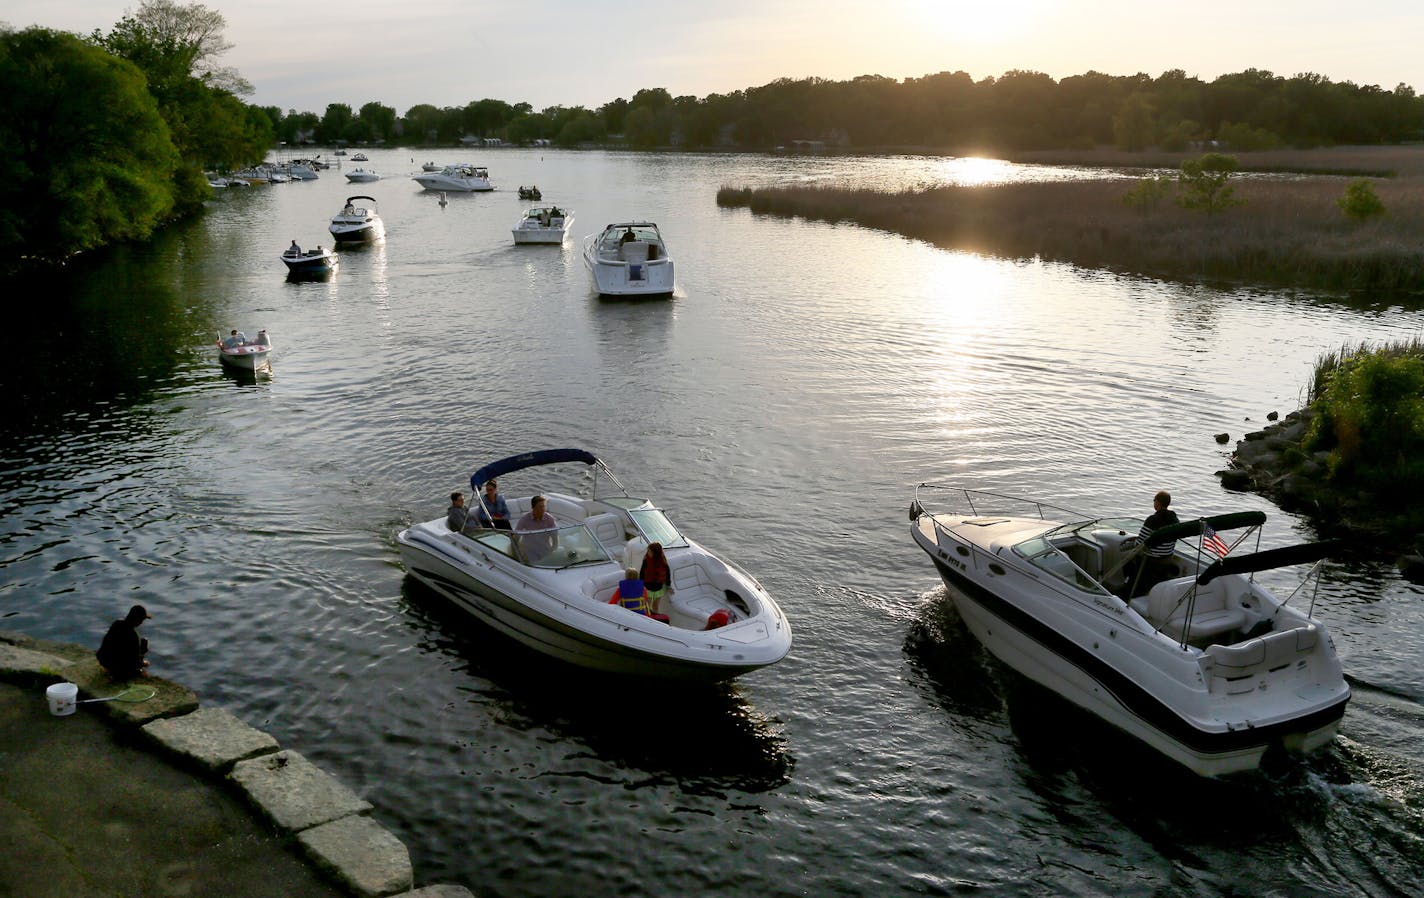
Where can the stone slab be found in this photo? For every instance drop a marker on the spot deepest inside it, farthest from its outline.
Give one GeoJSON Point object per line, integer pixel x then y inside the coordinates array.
{"type": "Point", "coordinates": [213, 738]}
{"type": "Point", "coordinates": [20, 664]}
{"type": "Point", "coordinates": [66, 650]}
{"type": "Point", "coordinates": [294, 792]}
{"type": "Point", "coordinates": [440, 891]}
{"type": "Point", "coordinates": [169, 699]}
{"type": "Point", "coordinates": [362, 854]}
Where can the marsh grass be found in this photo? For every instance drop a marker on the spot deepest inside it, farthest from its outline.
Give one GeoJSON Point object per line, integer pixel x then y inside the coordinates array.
{"type": "Point", "coordinates": [1288, 231]}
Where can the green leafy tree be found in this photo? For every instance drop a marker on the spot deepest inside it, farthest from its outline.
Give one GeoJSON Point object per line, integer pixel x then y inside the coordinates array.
{"type": "Point", "coordinates": [87, 159]}
{"type": "Point", "coordinates": [1360, 201]}
{"type": "Point", "coordinates": [1206, 183]}
{"type": "Point", "coordinates": [334, 123]}
{"type": "Point", "coordinates": [380, 120]}
{"type": "Point", "coordinates": [1148, 193]}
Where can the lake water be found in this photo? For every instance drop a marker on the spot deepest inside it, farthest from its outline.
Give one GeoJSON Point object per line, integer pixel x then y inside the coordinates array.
{"type": "Point", "coordinates": [782, 406]}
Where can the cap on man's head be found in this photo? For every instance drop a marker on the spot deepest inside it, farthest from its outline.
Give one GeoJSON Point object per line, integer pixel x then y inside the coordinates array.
{"type": "Point", "coordinates": [138, 613]}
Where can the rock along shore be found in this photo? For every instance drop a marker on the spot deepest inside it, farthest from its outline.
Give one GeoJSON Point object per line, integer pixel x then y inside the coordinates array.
{"type": "Point", "coordinates": [302, 804]}
{"type": "Point", "coordinates": [1274, 463]}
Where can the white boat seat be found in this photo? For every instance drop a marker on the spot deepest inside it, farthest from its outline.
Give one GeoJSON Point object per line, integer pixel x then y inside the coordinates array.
{"type": "Point", "coordinates": [1235, 668]}
{"type": "Point", "coordinates": [634, 251]}
{"type": "Point", "coordinates": [1166, 608]}
{"type": "Point", "coordinates": [607, 528]}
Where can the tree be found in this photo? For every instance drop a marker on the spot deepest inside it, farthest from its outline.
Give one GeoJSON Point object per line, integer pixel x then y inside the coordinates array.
{"type": "Point", "coordinates": [334, 123]}
{"type": "Point", "coordinates": [381, 120]}
{"type": "Point", "coordinates": [1360, 201]}
{"type": "Point", "coordinates": [1206, 183]}
{"type": "Point", "coordinates": [172, 41]}
{"type": "Point", "coordinates": [87, 159]}
{"type": "Point", "coordinates": [1134, 122]}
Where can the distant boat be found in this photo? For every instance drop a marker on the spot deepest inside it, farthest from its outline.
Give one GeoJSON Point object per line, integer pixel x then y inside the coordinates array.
{"type": "Point", "coordinates": [543, 224]}
{"type": "Point", "coordinates": [360, 157]}
{"type": "Point", "coordinates": [311, 263]}
{"type": "Point", "coordinates": [240, 354]}
{"type": "Point", "coordinates": [431, 166]}
{"type": "Point", "coordinates": [463, 178]}
{"type": "Point", "coordinates": [357, 224]}
{"type": "Point", "coordinates": [629, 258]}
{"type": "Point", "coordinates": [530, 193]}
{"type": "Point", "coordinates": [362, 175]}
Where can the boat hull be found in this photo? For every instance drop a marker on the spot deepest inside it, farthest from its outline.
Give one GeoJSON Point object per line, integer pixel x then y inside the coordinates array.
{"type": "Point", "coordinates": [454, 185]}
{"type": "Point", "coordinates": [632, 279]}
{"type": "Point", "coordinates": [245, 358]}
{"type": "Point", "coordinates": [1045, 653]}
{"type": "Point", "coordinates": [574, 629]}
{"type": "Point", "coordinates": [524, 236]}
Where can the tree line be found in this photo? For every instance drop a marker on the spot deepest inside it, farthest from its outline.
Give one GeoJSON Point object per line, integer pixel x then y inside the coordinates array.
{"type": "Point", "coordinates": [1020, 110]}
{"type": "Point", "coordinates": [107, 136]}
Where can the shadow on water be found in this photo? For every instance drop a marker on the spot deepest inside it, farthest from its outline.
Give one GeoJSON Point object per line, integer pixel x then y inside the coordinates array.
{"type": "Point", "coordinates": [1235, 834]}
{"type": "Point", "coordinates": [706, 738]}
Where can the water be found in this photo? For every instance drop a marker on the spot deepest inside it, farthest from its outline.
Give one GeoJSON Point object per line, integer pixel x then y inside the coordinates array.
{"type": "Point", "coordinates": [782, 406]}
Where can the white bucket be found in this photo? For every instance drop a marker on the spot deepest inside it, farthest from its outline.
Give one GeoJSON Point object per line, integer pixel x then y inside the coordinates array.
{"type": "Point", "coordinates": [62, 697]}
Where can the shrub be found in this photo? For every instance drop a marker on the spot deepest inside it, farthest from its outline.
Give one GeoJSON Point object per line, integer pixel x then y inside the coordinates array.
{"type": "Point", "coordinates": [1360, 201]}
{"type": "Point", "coordinates": [1206, 183]}
{"type": "Point", "coordinates": [1148, 193]}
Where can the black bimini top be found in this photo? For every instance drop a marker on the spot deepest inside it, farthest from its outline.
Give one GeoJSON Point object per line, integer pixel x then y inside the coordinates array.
{"type": "Point", "coordinates": [529, 460]}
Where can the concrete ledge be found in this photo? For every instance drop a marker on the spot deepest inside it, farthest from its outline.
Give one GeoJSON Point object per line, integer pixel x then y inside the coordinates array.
{"type": "Point", "coordinates": [294, 792]}
{"type": "Point", "coordinates": [211, 737]}
{"type": "Point", "coordinates": [362, 854]}
{"type": "Point", "coordinates": [29, 665]}
{"type": "Point", "coordinates": [440, 891]}
{"type": "Point", "coordinates": [169, 698]}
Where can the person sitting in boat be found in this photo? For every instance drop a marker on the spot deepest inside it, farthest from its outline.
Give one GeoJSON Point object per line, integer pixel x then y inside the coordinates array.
{"type": "Point", "coordinates": [457, 515]}
{"type": "Point", "coordinates": [235, 339]}
{"type": "Point", "coordinates": [294, 250]}
{"type": "Point", "coordinates": [655, 574]}
{"type": "Point", "coordinates": [539, 533]}
{"type": "Point", "coordinates": [628, 237]}
{"type": "Point", "coordinates": [494, 512]}
{"type": "Point", "coordinates": [262, 338]}
{"type": "Point", "coordinates": [1157, 564]}
{"type": "Point", "coordinates": [348, 209]}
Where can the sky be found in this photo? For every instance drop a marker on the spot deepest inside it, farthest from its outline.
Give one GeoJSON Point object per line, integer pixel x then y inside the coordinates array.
{"type": "Point", "coordinates": [303, 56]}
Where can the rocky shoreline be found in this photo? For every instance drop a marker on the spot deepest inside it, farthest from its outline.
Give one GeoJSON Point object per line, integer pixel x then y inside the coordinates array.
{"type": "Point", "coordinates": [1273, 462]}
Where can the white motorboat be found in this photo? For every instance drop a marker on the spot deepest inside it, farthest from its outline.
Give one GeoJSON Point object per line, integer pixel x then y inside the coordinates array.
{"type": "Point", "coordinates": [310, 263]}
{"type": "Point", "coordinates": [543, 224]}
{"type": "Point", "coordinates": [235, 351]}
{"type": "Point", "coordinates": [551, 589]}
{"type": "Point", "coordinates": [1208, 667]}
{"type": "Point", "coordinates": [431, 166]}
{"type": "Point", "coordinates": [461, 177]}
{"type": "Point", "coordinates": [629, 258]}
{"type": "Point", "coordinates": [360, 157]}
{"type": "Point", "coordinates": [357, 224]}
{"type": "Point", "coordinates": [362, 175]}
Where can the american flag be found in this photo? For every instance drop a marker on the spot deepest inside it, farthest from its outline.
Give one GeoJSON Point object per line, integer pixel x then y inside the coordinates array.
{"type": "Point", "coordinates": [1213, 543]}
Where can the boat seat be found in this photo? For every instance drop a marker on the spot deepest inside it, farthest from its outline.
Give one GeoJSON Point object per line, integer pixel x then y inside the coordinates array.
{"type": "Point", "coordinates": [607, 529]}
{"type": "Point", "coordinates": [1165, 607]}
{"type": "Point", "coordinates": [1235, 667]}
{"type": "Point", "coordinates": [634, 251]}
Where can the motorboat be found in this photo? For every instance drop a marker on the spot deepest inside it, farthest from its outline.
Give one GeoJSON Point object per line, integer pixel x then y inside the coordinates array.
{"type": "Point", "coordinates": [302, 170]}
{"type": "Point", "coordinates": [309, 263]}
{"type": "Point", "coordinates": [629, 258]}
{"type": "Point", "coordinates": [357, 223]}
{"type": "Point", "coordinates": [552, 589]}
{"type": "Point", "coordinates": [461, 177]}
{"type": "Point", "coordinates": [1206, 666]}
{"type": "Point", "coordinates": [362, 175]}
{"type": "Point", "coordinates": [431, 166]}
{"type": "Point", "coordinates": [530, 193]}
{"type": "Point", "coordinates": [543, 224]}
{"type": "Point", "coordinates": [238, 353]}
{"type": "Point", "coordinates": [360, 157]}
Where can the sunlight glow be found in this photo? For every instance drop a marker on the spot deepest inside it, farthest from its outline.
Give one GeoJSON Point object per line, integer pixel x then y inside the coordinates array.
{"type": "Point", "coordinates": [975, 21]}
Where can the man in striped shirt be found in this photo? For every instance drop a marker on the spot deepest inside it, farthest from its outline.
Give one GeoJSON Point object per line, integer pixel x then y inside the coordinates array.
{"type": "Point", "coordinates": [1157, 564]}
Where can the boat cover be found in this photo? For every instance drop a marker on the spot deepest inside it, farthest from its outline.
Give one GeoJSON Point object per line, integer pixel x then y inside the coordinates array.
{"type": "Point", "coordinates": [1231, 521]}
{"type": "Point", "coordinates": [1267, 560]}
{"type": "Point", "coordinates": [529, 460]}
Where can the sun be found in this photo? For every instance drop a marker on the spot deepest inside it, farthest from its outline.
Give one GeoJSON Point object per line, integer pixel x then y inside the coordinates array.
{"type": "Point", "coordinates": [977, 21]}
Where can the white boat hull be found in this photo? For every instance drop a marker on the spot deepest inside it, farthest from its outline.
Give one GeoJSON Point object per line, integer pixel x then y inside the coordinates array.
{"type": "Point", "coordinates": [539, 609]}
{"type": "Point", "coordinates": [437, 181]}
{"type": "Point", "coordinates": [245, 358]}
{"type": "Point", "coordinates": [1137, 680]}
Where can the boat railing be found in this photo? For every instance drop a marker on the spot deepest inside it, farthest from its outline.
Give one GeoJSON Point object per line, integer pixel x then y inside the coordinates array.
{"type": "Point", "coordinates": [980, 502]}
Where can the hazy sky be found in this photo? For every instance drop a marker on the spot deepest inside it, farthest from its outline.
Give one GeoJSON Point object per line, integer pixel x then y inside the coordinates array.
{"type": "Point", "coordinates": [575, 52]}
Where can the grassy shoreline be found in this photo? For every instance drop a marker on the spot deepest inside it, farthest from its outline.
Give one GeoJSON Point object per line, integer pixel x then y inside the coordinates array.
{"type": "Point", "coordinates": [1289, 232]}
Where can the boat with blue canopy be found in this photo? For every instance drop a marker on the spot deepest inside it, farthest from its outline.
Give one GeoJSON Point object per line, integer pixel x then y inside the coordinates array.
{"type": "Point", "coordinates": [552, 577]}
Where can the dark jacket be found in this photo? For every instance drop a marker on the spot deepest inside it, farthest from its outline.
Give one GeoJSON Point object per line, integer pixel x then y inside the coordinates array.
{"type": "Point", "coordinates": [121, 653]}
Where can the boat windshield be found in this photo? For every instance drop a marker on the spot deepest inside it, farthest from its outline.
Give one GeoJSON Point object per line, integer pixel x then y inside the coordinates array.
{"type": "Point", "coordinates": [1044, 555]}
{"type": "Point", "coordinates": [656, 528]}
{"type": "Point", "coordinates": [572, 544]}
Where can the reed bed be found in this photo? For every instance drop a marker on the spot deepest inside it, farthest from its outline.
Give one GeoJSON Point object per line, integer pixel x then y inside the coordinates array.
{"type": "Point", "coordinates": [1361, 161]}
{"type": "Point", "coordinates": [1288, 232]}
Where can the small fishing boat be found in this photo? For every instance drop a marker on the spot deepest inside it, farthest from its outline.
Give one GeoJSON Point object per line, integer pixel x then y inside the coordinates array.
{"type": "Point", "coordinates": [236, 352]}
{"type": "Point", "coordinates": [629, 258]}
{"type": "Point", "coordinates": [357, 224]}
{"type": "Point", "coordinates": [553, 587]}
{"type": "Point", "coordinates": [1207, 666]}
{"type": "Point", "coordinates": [309, 263]}
{"type": "Point", "coordinates": [543, 224]}
{"type": "Point", "coordinates": [530, 193]}
{"type": "Point", "coordinates": [431, 166]}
